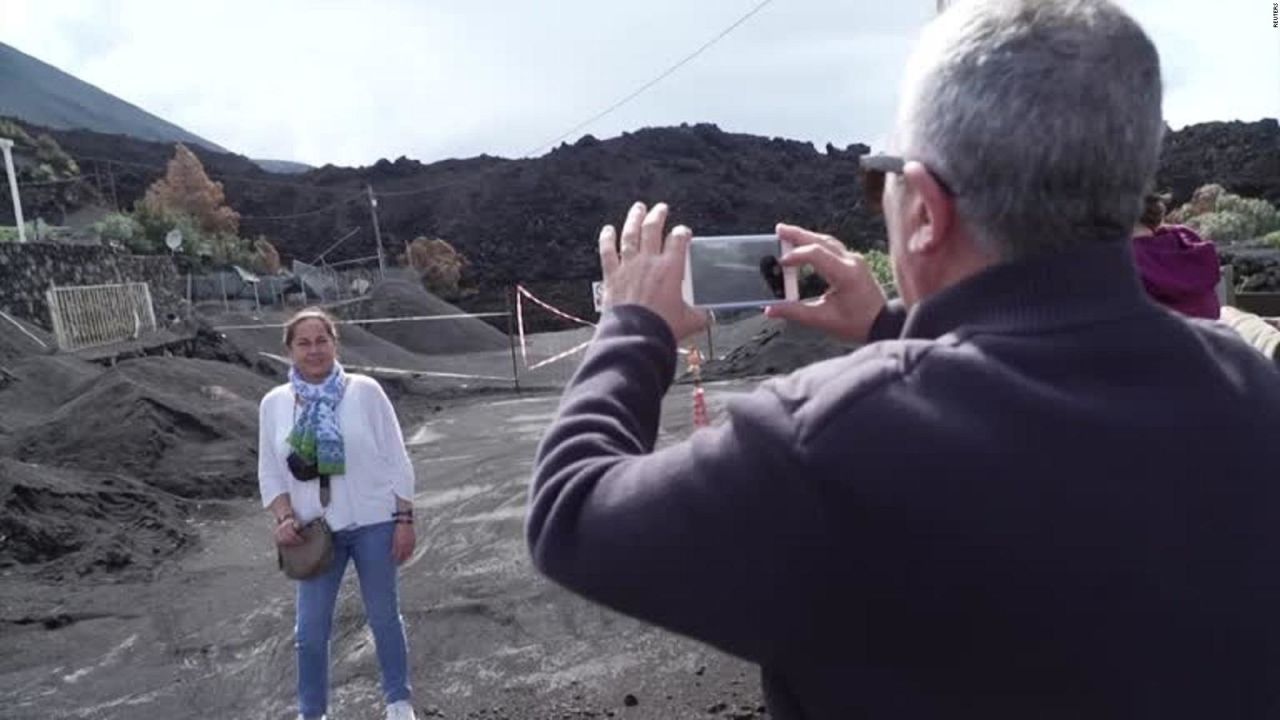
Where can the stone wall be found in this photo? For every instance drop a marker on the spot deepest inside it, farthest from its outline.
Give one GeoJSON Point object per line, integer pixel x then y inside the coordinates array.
{"type": "Point", "coordinates": [1257, 269]}
{"type": "Point", "coordinates": [27, 271]}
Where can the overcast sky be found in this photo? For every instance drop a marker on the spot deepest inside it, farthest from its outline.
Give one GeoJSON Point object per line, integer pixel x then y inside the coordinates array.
{"type": "Point", "coordinates": [349, 82]}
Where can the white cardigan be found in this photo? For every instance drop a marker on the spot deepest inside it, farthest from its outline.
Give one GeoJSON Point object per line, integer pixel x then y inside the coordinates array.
{"type": "Point", "coordinates": [378, 467]}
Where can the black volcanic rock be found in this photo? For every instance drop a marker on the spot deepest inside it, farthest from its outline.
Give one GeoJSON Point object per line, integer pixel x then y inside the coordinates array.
{"type": "Point", "coordinates": [1243, 157]}
{"type": "Point", "coordinates": [535, 221]}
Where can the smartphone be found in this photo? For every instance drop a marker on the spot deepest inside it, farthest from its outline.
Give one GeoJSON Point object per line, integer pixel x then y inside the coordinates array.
{"type": "Point", "coordinates": [738, 271]}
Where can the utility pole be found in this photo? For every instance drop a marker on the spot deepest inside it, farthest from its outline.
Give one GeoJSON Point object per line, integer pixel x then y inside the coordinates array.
{"type": "Point", "coordinates": [6, 146]}
{"type": "Point", "coordinates": [377, 231]}
{"type": "Point", "coordinates": [111, 175]}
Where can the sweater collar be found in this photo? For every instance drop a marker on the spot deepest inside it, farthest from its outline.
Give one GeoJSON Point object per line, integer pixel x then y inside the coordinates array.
{"type": "Point", "coordinates": [1052, 288]}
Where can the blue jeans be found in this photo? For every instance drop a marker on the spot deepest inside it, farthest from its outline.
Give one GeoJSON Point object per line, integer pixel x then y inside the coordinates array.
{"type": "Point", "coordinates": [370, 547]}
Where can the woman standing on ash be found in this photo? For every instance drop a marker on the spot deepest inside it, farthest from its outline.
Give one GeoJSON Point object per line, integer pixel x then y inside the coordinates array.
{"type": "Point", "coordinates": [330, 448]}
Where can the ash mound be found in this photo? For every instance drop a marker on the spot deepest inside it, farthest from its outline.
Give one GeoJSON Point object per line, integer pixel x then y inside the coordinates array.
{"type": "Point", "coordinates": [188, 427]}
{"type": "Point", "coordinates": [99, 468]}
{"type": "Point", "coordinates": [407, 298]}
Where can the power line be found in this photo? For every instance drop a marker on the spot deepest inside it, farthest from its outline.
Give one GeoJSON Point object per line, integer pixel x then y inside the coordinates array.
{"type": "Point", "coordinates": [438, 186]}
{"type": "Point", "coordinates": [309, 213]}
{"type": "Point", "coordinates": [335, 245]}
{"type": "Point", "coordinates": [442, 186]}
{"type": "Point", "coordinates": [665, 74]}
{"type": "Point", "coordinates": [600, 115]}
{"type": "Point", "coordinates": [214, 176]}
{"type": "Point", "coordinates": [240, 178]}
{"type": "Point", "coordinates": [235, 178]}
{"type": "Point", "coordinates": [24, 183]}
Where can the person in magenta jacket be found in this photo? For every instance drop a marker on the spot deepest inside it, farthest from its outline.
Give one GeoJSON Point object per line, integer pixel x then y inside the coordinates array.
{"type": "Point", "coordinates": [1179, 269]}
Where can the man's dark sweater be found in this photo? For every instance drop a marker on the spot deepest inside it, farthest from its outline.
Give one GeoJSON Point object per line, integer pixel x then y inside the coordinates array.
{"type": "Point", "coordinates": [1047, 497]}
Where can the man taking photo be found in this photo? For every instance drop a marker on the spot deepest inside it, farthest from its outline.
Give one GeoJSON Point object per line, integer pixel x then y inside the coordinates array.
{"type": "Point", "coordinates": [1032, 493]}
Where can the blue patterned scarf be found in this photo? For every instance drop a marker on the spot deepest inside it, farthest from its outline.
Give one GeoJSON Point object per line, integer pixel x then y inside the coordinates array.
{"type": "Point", "coordinates": [316, 436]}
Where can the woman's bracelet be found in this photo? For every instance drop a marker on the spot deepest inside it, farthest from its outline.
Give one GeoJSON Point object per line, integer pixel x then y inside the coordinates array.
{"type": "Point", "coordinates": [281, 520]}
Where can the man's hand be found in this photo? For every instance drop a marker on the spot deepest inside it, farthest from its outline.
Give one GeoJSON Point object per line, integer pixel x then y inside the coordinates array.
{"type": "Point", "coordinates": [644, 270]}
{"type": "Point", "coordinates": [853, 298]}
{"type": "Point", "coordinates": [403, 542]}
{"type": "Point", "coordinates": [287, 532]}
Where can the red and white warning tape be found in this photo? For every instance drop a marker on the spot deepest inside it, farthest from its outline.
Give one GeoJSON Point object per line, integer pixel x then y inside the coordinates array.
{"type": "Point", "coordinates": [521, 292]}
{"type": "Point", "coordinates": [553, 310]}
{"type": "Point", "coordinates": [561, 356]}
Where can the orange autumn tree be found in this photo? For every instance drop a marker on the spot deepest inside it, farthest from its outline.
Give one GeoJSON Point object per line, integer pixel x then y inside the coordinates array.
{"type": "Point", "coordinates": [267, 256]}
{"type": "Point", "coordinates": [438, 263]}
{"type": "Point", "coordinates": [186, 199]}
{"type": "Point", "coordinates": [186, 189]}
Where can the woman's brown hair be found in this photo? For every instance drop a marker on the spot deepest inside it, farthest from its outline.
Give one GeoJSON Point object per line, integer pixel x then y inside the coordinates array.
{"type": "Point", "coordinates": [1154, 206]}
{"type": "Point", "coordinates": [311, 313]}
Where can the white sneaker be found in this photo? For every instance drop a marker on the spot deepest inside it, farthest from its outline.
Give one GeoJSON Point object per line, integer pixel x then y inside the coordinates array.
{"type": "Point", "coordinates": [402, 710]}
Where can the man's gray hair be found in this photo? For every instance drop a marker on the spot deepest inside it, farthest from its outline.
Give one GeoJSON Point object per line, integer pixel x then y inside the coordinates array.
{"type": "Point", "coordinates": [1042, 116]}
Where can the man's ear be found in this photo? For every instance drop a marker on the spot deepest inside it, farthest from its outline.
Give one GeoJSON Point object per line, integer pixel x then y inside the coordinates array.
{"type": "Point", "coordinates": [931, 208]}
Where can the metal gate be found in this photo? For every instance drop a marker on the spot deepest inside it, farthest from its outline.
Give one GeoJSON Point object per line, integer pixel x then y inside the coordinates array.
{"type": "Point", "coordinates": [93, 315]}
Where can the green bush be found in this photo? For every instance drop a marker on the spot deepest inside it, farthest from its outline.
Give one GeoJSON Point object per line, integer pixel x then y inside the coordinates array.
{"type": "Point", "coordinates": [156, 225]}
{"type": "Point", "coordinates": [1272, 239]}
{"type": "Point", "coordinates": [9, 233]}
{"type": "Point", "coordinates": [48, 152]}
{"type": "Point", "coordinates": [223, 249]}
{"type": "Point", "coordinates": [1227, 218]}
{"type": "Point", "coordinates": [1222, 227]}
{"type": "Point", "coordinates": [882, 268]}
{"type": "Point", "coordinates": [51, 161]}
{"type": "Point", "coordinates": [148, 227]}
{"type": "Point", "coordinates": [1259, 214]}
{"type": "Point", "coordinates": [11, 130]}
{"type": "Point", "coordinates": [122, 230]}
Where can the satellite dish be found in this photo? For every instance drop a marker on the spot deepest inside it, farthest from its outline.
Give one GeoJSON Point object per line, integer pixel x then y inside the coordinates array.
{"type": "Point", "coordinates": [173, 239]}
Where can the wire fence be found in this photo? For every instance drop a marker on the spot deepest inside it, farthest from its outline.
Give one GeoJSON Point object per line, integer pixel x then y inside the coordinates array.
{"type": "Point", "coordinates": [306, 283]}
{"type": "Point", "coordinates": [440, 343]}
{"type": "Point", "coordinates": [454, 349]}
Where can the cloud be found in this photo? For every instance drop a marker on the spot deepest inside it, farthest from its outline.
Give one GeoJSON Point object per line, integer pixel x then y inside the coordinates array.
{"type": "Point", "coordinates": [1216, 58]}
{"type": "Point", "coordinates": [324, 81]}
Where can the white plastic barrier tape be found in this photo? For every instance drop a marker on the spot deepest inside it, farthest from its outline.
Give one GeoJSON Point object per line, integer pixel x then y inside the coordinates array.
{"type": "Point", "coordinates": [371, 321]}
{"type": "Point", "coordinates": [25, 331]}
{"type": "Point", "coordinates": [399, 372]}
{"type": "Point", "coordinates": [524, 350]}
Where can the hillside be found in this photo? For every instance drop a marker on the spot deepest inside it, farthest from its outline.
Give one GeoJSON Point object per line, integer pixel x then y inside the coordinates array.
{"type": "Point", "coordinates": [535, 220]}
{"type": "Point", "coordinates": [42, 94]}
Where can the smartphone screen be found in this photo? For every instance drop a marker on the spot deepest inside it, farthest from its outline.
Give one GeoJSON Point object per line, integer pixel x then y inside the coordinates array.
{"type": "Point", "coordinates": [738, 270]}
